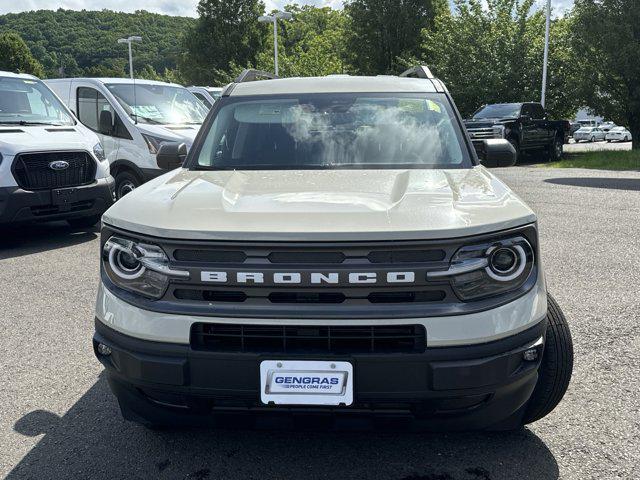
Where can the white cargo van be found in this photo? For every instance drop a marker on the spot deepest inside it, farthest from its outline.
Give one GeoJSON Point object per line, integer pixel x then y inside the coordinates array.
{"type": "Point", "coordinates": [132, 120]}
{"type": "Point", "coordinates": [51, 166]}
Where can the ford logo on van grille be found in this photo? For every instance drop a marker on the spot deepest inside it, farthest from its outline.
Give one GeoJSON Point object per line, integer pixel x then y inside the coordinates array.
{"type": "Point", "coordinates": [59, 165]}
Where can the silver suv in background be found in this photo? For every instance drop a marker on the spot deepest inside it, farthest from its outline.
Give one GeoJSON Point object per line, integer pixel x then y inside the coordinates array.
{"type": "Point", "coordinates": [330, 245]}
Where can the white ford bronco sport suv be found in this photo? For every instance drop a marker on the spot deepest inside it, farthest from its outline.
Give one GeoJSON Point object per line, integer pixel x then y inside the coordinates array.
{"type": "Point", "coordinates": [330, 245]}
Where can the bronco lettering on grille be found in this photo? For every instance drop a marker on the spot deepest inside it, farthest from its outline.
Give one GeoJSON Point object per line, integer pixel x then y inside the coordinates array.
{"type": "Point", "coordinates": [315, 278]}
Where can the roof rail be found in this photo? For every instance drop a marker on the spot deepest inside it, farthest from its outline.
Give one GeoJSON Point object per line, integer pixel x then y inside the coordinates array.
{"type": "Point", "coordinates": [421, 71]}
{"type": "Point", "coordinates": [251, 74]}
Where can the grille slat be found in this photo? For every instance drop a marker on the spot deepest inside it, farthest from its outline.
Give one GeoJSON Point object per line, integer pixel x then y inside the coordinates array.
{"type": "Point", "coordinates": [289, 339]}
{"type": "Point", "coordinates": [32, 171]}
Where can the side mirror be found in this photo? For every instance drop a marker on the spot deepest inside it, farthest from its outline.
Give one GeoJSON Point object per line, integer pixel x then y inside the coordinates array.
{"type": "Point", "coordinates": [171, 155]}
{"type": "Point", "coordinates": [497, 152]}
{"type": "Point", "coordinates": [105, 124]}
{"type": "Point", "coordinates": [525, 118]}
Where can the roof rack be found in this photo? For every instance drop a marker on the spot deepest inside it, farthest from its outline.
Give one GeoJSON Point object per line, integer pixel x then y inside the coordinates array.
{"type": "Point", "coordinates": [421, 71]}
{"type": "Point", "coordinates": [251, 75]}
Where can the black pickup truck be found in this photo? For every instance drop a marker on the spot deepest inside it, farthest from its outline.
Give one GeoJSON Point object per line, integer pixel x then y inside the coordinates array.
{"type": "Point", "coordinates": [525, 125]}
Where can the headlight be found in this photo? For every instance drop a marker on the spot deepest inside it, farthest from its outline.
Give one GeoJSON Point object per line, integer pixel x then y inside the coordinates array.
{"type": "Point", "coordinates": [138, 267]}
{"type": "Point", "coordinates": [154, 142]}
{"type": "Point", "coordinates": [489, 269]}
{"type": "Point", "coordinates": [98, 151]}
{"type": "Point", "coordinates": [498, 131]}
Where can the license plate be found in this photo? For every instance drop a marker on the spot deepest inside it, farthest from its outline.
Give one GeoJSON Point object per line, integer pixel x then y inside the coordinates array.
{"type": "Point", "coordinates": [64, 196]}
{"type": "Point", "coordinates": [306, 382]}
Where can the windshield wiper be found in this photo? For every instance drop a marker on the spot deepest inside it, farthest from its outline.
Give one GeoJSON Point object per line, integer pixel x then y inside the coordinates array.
{"type": "Point", "coordinates": [146, 119]}
{"type": "Point", "coordinates": [26, 122]}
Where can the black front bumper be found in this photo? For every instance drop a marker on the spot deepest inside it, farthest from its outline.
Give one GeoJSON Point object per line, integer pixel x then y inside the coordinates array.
{"type": "Point", "coordinates": [471, 387]}
{"type": "Point", "coordinates": [18, 205]}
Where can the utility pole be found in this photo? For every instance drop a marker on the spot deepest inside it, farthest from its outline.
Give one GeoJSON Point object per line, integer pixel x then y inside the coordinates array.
{"type": "Point", "coordinates": [546, 55]}
{"type": "Point", "coordinates": [128, 41]}
{"type": "Point", "coordinates": [274, 19]}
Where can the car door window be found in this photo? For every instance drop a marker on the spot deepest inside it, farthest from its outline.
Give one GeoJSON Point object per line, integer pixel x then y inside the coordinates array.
{"type": "Point", "coordinates": [90, 103]}
{"type": "Point", "coordinates": [203, 99]}
{"type": "Point", "coordinates": [526, 111]}
{"type": "Point", "coordinates": [537, 112]}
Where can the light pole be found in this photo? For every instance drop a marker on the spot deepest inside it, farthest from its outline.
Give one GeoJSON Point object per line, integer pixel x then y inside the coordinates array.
{"type": "Point", "coordinates": [128, 40]}
{"type": "Point", "coordinates": [274, 19]}
{"type": "Point", "coordinates": [546, 54]}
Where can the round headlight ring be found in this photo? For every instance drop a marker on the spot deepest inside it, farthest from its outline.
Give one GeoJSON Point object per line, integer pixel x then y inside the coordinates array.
{"type": "Point", "coordinates": [118, 264]}
{"type": "Point", "coordinates": [512, 272]}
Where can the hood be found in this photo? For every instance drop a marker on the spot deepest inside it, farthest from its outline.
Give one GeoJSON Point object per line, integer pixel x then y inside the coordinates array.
{"type": "Point", "coordinates": [16, 139]}
{"type": "Point", "coordinates": [320, 205]}
{"type": "Point", "coordinates": [485, 122]}
{"type": "Point", "coordinates": [176, 133]}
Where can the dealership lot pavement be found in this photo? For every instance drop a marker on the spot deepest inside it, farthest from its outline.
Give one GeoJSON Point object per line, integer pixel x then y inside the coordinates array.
{"type": "Point", "coordinates": [58, 420]}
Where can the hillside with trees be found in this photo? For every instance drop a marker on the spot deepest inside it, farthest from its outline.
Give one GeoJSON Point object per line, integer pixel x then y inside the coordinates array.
{"type": "Point", "coordinates": [84, 43]}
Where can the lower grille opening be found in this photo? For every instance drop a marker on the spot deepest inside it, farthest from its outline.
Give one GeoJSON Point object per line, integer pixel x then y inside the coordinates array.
{"type": "Point", "coordinates": [209, 295]}
{"type": "Point", "coordinates": [407, 297]}
{"type": "Point", "coordinates": [306, 297]}
{"type": "Point", "coordinates": [308, 338]}
{"type": "Point", "coordinates": [54, 209]}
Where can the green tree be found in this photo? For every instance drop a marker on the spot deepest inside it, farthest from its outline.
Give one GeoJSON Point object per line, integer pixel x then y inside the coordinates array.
{"type": "Point", "coordinates": [382, 31]}
{"type": "Point", "coordinates": [493, 53]}
{"type": "Point", "coordinates": [607, 33]}
{"type": "Point", "coordinates": [311, 44]}
{"type": "Point", "coordinates": [226, 34]}
{"type": "Point", "coordinates": [15, 56]}
{"type": "Point", "coordinates": [84, 43]}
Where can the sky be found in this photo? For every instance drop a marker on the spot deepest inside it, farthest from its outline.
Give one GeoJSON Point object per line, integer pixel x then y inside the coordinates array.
{"type": "Point", "coordinates": [169, 7]}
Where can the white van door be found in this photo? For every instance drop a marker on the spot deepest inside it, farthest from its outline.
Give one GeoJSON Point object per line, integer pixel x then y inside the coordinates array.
{"type": "Point", "coordinates": [90, 104]}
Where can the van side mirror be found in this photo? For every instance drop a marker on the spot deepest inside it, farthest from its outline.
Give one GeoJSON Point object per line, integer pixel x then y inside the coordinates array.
{"type": "Point", "coordinates": [497, 152]}
{"type": "Point", "coordinates": [171, 155]}
{"type": "Point", "coordinates": [525, 118]}
{"type": "Point", "coordinates": [105, 124]}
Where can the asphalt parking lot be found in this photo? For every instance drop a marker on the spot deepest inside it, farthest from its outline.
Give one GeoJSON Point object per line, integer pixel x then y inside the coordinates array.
{"type": "Point", "coordinates": [58, 419]}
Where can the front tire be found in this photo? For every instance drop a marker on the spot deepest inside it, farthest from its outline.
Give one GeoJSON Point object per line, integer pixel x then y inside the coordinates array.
{"type": "Point", "coordinates": [126, 182]}
{"type": "Point", "coordinates": [555, 370]}
{"type": "Point", "coordinates": [592, 139]}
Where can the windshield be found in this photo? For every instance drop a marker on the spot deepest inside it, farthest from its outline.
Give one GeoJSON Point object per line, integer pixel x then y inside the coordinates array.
{"type": "Point", "coordinates": [585, 129]}
{"type": "Point", "coordinates": [617, 129]}
{"type": "Point", "coordinates": [501, 110]}
{"type": "Point", "coordinates": [159, 104]}
{"type": "Point", "coordinates": [327, 131]}
{"type": "Point", "coordinates": [30, 102]}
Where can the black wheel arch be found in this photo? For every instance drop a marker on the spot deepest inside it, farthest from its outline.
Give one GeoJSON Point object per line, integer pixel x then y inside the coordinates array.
{"type": "Point", "coordinates": [127, 166]}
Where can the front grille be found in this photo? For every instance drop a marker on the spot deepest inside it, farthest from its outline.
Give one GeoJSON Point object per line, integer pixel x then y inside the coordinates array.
{"type": "Point", "coordinates": [309, 339]}
{"type": "Point", "coordinates": [481, 133]}
{"type": "Point", "coordinates": [304, 296]}
{"type": "Point", "coordinates": [33, 172]}
{"type": "Point", "coordinates": [295, 280]}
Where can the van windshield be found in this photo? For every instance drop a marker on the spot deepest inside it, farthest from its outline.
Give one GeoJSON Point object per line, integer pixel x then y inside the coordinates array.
{"type": "Point", "coordinates": [30, 102]}
{"type": "Point", "coordinates": [330, 131]}
{"type": "Point", "coordinates": [159, 104]}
